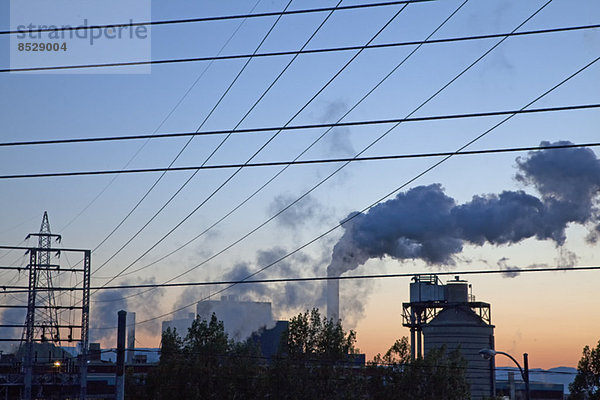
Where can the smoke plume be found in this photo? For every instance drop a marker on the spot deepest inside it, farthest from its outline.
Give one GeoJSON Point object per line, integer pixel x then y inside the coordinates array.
{"type": "Point", "coordinates": [338, 140]}
{"type": "Point", "coordinates": [568, 180]}
{"type": "Point", "coordinates": [287, 297]}
{"type": "Point", "coordinates": [306, 211]}
{"type": "Point", "coordinates": [107, 303]}
{"type": "Point", "coordinates": [11, 316]}
{"type": "Point", "coordinates": [426, 224]}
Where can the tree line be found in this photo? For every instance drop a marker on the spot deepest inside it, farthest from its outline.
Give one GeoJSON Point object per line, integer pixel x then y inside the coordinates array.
{"type": "Point", "coordinates": [317, 359]}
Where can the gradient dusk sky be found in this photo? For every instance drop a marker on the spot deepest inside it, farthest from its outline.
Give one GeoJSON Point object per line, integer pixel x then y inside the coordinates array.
{"type": "Point", "coordinates": [550, 315]}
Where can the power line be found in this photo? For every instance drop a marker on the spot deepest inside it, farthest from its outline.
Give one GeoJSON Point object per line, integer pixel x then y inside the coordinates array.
{"type": "Point", "coordinates": [264, 145]}
{"type": "Point", "coordinates": [218, 146]}
{"type": "Point", "coordinates": [351, 277]}
{"type": "Point", "coordinates": [293, 127]}
{"type": "Point", "coordinates": [321, 278]}
{"type": "Point", "coordinates": [337, 170]}
{"type": "Point", "coordinates": [435, 165]}
{"type": "Point", "coordinates": [282, 170]}
{"type": "Point", "coordinates": [300, 162]}
{"type": "Point", "coordinates": [217, 18]}
{"type": "Point", "coordinates": [162, 122]}
{"type": "Point", "coordinates": [304, 51]}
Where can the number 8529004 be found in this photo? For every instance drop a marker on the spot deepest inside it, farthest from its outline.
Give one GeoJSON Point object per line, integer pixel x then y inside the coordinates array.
{"type": "Point", "coordinates": [35, 46]}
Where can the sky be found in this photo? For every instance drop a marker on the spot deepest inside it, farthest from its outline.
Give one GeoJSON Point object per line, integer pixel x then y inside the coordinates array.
{"type": "Point", "coordinates": [550, 315]}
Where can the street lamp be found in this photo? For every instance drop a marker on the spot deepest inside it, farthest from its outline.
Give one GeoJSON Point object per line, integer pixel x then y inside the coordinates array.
{"type": "Point", "coordinates": [489, 353]}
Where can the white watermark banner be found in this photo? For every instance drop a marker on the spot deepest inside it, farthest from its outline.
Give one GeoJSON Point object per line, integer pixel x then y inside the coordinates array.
{"type": "Point", "coordinates": [55, 33]}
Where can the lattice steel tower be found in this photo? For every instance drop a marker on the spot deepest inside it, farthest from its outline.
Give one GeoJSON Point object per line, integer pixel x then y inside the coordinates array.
{"type": "Point", "coordinates": [43, 329]}
{"type": "Point", "coordinates": [42, 306]}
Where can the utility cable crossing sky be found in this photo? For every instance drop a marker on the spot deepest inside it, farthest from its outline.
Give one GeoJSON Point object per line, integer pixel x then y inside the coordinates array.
{"type": "Point", "coordinates": [302, 162]}
{"type": "Point", "coordinates": [309, 51]}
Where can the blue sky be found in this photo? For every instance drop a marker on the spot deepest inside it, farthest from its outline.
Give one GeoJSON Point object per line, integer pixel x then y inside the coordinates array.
{"type": "Point", "coordinates": [62, 105]}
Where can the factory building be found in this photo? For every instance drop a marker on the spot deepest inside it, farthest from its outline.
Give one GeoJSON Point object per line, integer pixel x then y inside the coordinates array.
{"type": "Point", "coordinates": [448, 315]}
{"type": "Point", "coordinates": [268, 340]}
{"type": "Point", "coordinates": [180, 325]}
{"type": "Point", "coordinates": [240, 318]}
{"type": "Point", "coordinates": [516, 390]}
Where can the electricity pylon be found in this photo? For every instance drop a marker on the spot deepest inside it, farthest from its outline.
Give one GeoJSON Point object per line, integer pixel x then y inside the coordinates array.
{"type": "Point", "coordinates": [42, 309]}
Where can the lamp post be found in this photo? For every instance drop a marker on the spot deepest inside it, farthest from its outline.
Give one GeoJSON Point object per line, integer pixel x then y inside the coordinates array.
{"type": "Point", "coordinates": [489, 353]}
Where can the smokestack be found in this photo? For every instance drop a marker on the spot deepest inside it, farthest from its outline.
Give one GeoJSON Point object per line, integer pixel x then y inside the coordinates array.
{"type": "Point", "coordinates": [333, 299]}
{"type": "Point", "coordinates": [120, 375]}
{"type": "Point", "coordinates": [130, 337]}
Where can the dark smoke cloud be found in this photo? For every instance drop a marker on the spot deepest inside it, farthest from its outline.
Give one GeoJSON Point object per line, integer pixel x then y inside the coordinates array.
{"type": "Point", "coordinates": [568, 180]}
{"type": "Point", "coordinates": [424, 223]}
{"type": "Point", "coordinates": [510, 270]}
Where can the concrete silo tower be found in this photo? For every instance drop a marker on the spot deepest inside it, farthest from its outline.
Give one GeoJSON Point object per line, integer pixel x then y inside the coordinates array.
{"type": "Point", "coordinates": [447, 315]}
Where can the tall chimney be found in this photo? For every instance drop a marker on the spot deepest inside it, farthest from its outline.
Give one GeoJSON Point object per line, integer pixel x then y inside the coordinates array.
{"type": "Point", "coordinates": [130, 337]}
{"type": "Point", "coordinates": [333, 299]}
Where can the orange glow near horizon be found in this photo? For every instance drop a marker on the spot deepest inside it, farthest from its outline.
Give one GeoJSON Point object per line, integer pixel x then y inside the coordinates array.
{"type": "Point", "coordinates": [544, 352]}
{"type": "Point", "coordinates": [540, 314]}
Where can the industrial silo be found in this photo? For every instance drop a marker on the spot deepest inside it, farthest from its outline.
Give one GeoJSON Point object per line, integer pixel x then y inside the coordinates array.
{"type": "Point", "coordinates": [464, 325]}
{"type": "Point", "coordinates": [446, 314]}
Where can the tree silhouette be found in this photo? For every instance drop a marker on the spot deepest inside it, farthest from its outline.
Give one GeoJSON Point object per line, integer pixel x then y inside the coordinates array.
{"type": "Point", "coordinates": [586, 385]}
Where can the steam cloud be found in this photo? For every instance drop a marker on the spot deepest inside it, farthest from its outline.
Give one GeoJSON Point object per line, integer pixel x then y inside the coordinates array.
{"type": "Point", "coordinates": [337, 140]}
{"type": "Point", "coordinates": [12, 316]}
{"type": "Point", "coordinates": [424, 223]}
{"type": "Point", "coordinates": [107, 303]}
{"type": "Point", "coordinates": [289, 297]}
{"type": "Point", "coordinates": [304, 212]}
